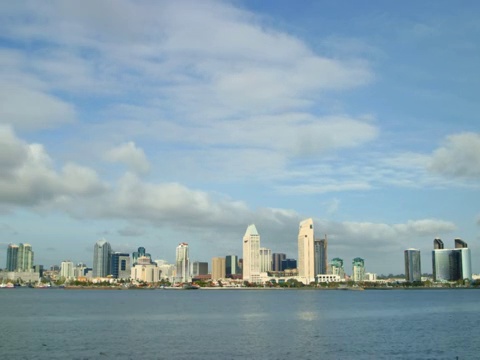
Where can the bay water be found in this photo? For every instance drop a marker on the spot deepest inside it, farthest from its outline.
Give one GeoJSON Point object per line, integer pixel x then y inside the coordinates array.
{"type": "Point", "coordinates": [239, 324]}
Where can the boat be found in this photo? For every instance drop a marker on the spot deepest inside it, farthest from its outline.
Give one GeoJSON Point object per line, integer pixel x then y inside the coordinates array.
{"type": "Point", "coordinates": [188, 286]}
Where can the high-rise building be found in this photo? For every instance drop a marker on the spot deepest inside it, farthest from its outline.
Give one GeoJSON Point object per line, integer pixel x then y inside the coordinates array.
{"type": "Point", "coordinates": [101, 259]}
{"type": "Point", "coordinates": [199, 268]}
{"type": "Point", "coordinates": [413, 271]}
{"type": "Point", "coordinates": [67, 270]}
{"type": "Point", "coordinates": [320, 249]}
{"type": "Point", "coordinates": [140, 253]}
{"type": "Point", "coordinates": [251, 255]}
{"type": "Point", "coordinates": [277, 259]}
{"type": "Point", "coordinates": [145, 270]}
{"type": "Point", "coordinates": [265, 260]}
{"type": "Point", "coordinates": [12, 257]}
{"type": "Point", "coordinates": [358, 271]}
{"type": "Point", "coordinates": [120, 264]}
{"type": "Point", "coordinates": [289, 264]}
{"type": "Point", "coordinates": [218, 268]}
{"type": "Point", "coordinates": [231, 265]}
{"type": "Point", "coordinates": [306, 256]}
{"type": "Point", "coordinates": [437, 244]}
{"type": "Point", "coordinates": [24, 258]}
{"type": "Point", "coordinates": [336, 266]}
{"type": "Point", "coordinates": [182, 263]}
{"type": "Point", "coordinates": [452, 264]}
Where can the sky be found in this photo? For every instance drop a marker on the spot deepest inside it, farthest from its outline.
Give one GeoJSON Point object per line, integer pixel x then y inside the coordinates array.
{"type": "Point", "coordinates": [150, 123]}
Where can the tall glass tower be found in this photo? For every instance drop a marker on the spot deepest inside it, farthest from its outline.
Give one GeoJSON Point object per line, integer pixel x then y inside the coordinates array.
{"type": "Point", "coordinates": [413, 271]}
{"type": "Point", "coordinates": [12, 256]}
{"type": "Point", "coordinates": [320, 250]}
{"type": "Point", "coordinates": [24, 257]}
{"type": "Point", "coordinates": [101, 258]}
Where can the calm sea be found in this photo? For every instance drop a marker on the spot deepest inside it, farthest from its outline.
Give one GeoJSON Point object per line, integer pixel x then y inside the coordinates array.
{"type": "Point", "coordinates": [239, 324]}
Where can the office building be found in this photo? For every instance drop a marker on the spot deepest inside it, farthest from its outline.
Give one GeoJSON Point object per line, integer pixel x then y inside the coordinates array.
{"type": "Point", "coordinates": [413, 271]}
{"type": "Point", "coordinates": [251, 255]}
{"type": "Point", "coordinates": [145, 271]}
{"type": "Point", "coordinates": [452, 264]}
{"type": "Point", "coordinates": [182, 263]}
{"type": "Point", "coordinates": [218, 268]}
{"type": "Point", "coordinates": [265, 260]}
{"type": "Point", "coordinates": [336, 267]}
{"type": "Point", "coordinates": [231, 265]}
{"type": "Point", "coordinates": [24, 258]}
{"type": "Point", "coordinates": [67, 270]}
{"type": "Point", "coordinates": [289, 264]}
{"type": "Point", "coordinates": [80, 270]}
{"type": "Point", "coordinates": [140, 253]}
{"type": "Point", "coordinates": [199, 268]}
{"type": "Point", "coordinates": [277, 259]}
{"type": "Point", "coordinates": [120, 264]}
{"type": "Point", "coordinates": [306, 253]}
{"type": "Point", "coordinates": [101, 258]}
{"type": "Point", "coordinates": [320, 250]}
{"type": "Point", "coordinates": [358, 269]}
{"type": "Point", "coordinates": [12, 257]}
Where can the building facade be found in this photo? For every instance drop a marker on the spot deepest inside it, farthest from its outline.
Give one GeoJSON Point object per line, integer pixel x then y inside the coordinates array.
{"type": "Point", "coordinates": [336, 267]}
{"type": "Point", "coordinates": [265, 260]}
{"type": "Point", "coordinates": [101, 259]}
{"type": "Point", "coordinates": [182, 263]}
{"type": "Point", "coordinates": [12, 257]}
{"type": "Point", "coordinates": [141, 252]}
{"type": "Point", "coordinates": [251, 255]}
{"type": "Point", "coordinates": [413, 270]}
{"type": "Point", "coordinates": [231, 265]}
{"type": "Point", "coordinates": [199, 268]}
{"type": "Point", "coordinates": [452, 264]}
{"type": "Point", "coordinates": [306, 253]}
{"type": "Point", "coordinates": [277, 259]}
{"type": "Point", "coordinates": [320, 250]}
{"type": "Point", "coordinates": [358, 269]}
{"type": "Point", "coordinates": [24, 258]}
{"type": "Point", "coordinates": [121, 268]}
{"type": "Point", "coordinates": [67, 270]}
{"type": "Point", "coordinates": [218, 268]}
{"type": "Point", "coordinates": [145, 271]}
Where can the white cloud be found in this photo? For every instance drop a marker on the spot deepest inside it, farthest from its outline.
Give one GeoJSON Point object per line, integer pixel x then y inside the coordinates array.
{"type": "Point", "coordinates": [31, 109]}
{"type": "Point", "coordinates": [28, 177]}
{"type": "Point", "coordinates": [131, 155]}
{"type": "Point", "coordinates": [459, 157]}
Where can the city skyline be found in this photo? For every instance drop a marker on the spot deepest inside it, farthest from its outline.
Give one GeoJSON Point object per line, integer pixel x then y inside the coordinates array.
{"type": "Point", "coordinates": [196, 120]}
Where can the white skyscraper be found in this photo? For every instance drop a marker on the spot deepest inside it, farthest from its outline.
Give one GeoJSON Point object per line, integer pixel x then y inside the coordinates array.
{"type": "Point", "coordinates": [265, 260]}
{"type": "Point", "coordinates": [67, 270]}
{"type": "Point", "coordinates": [251, 255]}
{"type": "Point", "coordinates": [182, 263]}
{"type": "Point", "coordinates": [306, 253]}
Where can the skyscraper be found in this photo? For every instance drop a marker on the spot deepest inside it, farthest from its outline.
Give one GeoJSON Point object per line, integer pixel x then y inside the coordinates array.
{"type": "Point", "coordinates": [120, 264]}
{"type": "Point", "coordinates": [199, 268]}
{"type": "Point", "coordinates": [101, 258]}
{"type": "Point", "coordinates": [182, 263]}
{"type": "Point", "coordinates": [277, 259]}
{"type": "Point", "coordinates": [452, 264]}
{"type": "Point", "coordinates": [24, 257]}
{"type": "Point", "coordinates": [413, 271]}
{"type": "Point", "coordinates": [139, 253]}
{"type": "Point", "coordinates": [265, 260]}
{"type": "Point", "coordinates": [306, 256]}
{"type": "Point", "coordinates": [231, 265]}
{"type": "Point", "coordinates": [358, 271]}
{"type": "Point", "coordinates": [218, 268]}
{"type": "Point", "coordinates": [67, 270]}
{"type": "Point", "coordinates": [12, 257]}
{"type": "Point", "coordinates": [320, 249]}
{"type": "Point", "coordinates": [336, 266]}
{"type": "Point", "coordinates": [251, 254]}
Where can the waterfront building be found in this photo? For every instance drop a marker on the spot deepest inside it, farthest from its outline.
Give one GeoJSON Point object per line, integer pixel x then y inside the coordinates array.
{"type": "Point", "coordinates": [67, 270]}
{"type": "Point", "coordinates": [289, 264]}
{"type": "Point", "coordinates": [218, 268]}
{"type": "Point", "coordinates": [277, 259]}
{"type": "Point", "coordinates": [336, 267]}
{"type": "Point", "coordinates": [101, 258]}
{"type": "Point", "coordinates": [199, 268]}
{"type": "Point", "coordinates": [182, 263]}
{"type": "Point", "coordinates": [358, 271]}
{"type": "Point", "coordinates": [12, 257]}
{"type": "Point", "coordinates": [320, 257]}
{"type": "Point", "coordinates": [452, 264]}
{"type": "Point", "coordinates": [140, 253]}
{"type": "Point", "coordinates": [24, 258]}
{"type": "Point", "coordinates": [120, 264]}
{"type": "Point", "coordinates": [413, 271]}
{"type": "Point", "coordinates": [144, 270]}
{"type": "Point", "coordinates": [306, 255]}
{"type": "Point", "coordinates": [231, 265]}
{"type": "Point", "coordinates": [370, 277]}
{"type": "Point", "coordinates": [251, 255]}
{"type": "Point", "coordinates": [265, 260]}
{"type": "Point", "coordinates": [322, 278]}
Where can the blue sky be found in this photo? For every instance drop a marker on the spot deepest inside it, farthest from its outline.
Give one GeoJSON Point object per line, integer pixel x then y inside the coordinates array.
{"type": "Point", "coordinates": [154, 123]}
